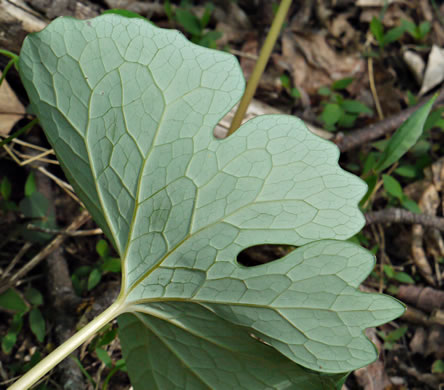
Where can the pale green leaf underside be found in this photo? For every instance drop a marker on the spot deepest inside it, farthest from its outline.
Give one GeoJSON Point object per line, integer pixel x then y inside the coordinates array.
{"type": "Point", "coordinates": [130, 110]}
{"type": "Point", "coordinates": [210, 359]}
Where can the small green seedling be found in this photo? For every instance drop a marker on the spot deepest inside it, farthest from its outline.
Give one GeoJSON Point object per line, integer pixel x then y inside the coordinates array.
{"type": "Point", "coordinates": [22, 307]}
{"type": "Point", "coordinates": [383, 37]}
{"type": "Point", "coordinates": [194, 25]}
{"type": "Point", "coordinates": [399, 276]}
{"type": "Point", "coordinates": [5, 188]}
{"type": "Point", "coordinates": [339, 111]}
{"type": "Point", "coordinates": [86, 277]}
{"type": "Point", "coordinates": [36, 208]}
{"type": "Point", "coordinates": [6, 203]}
{"type": "Point", "coordinates": [394, 189]}
{"type": "Point", "coordinates": [404, 139]}
{"type": "Point", "coordinates": [392, 337]}
{"type": "Point", "coordinates": [418, 32]}
{"type": "Point", "coordinates": [130, 111]}
{"type": "Point", "coordinates": [99, 346]}
{"type": "Point", "coordinates": [287, 85]}
{"type": "Point", "coordinates": [438, 367]}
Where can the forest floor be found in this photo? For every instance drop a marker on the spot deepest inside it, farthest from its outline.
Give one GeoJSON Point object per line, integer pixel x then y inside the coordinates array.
{"type": "Point", "coordinates": [352, 69]}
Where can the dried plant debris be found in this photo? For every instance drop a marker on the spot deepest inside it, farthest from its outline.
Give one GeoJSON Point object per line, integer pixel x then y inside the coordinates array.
{"type": "Point", "coordinates": [427, 244]}
{"type": "Point", "coordinates": [11, 110]}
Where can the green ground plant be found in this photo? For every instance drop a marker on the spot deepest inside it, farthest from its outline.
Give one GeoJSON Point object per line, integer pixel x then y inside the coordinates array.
{"type": "Point", "coordinates": [85, 277]}
{"type": "Point", "coordinates": [404, 139]}
{"type": "Point", "coordinates": [196, 27]}
{"type": "Point", "coordinates": [418, 32]}
{"type": "Point", "coordinates": [288, 87]}
{"type": "Point", "coordinates": [382, 36]}
{"type": "Point", "coordinates": [337, 110]}
{"type": "Point", "coordinates": [24, 308]}
{"type": "Point", "coordinates": [129, 110]}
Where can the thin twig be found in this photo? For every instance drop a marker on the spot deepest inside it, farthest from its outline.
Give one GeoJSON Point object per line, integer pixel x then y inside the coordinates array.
{"type": "Point", "coordinates": [395, 215]}
{"type": "Point", "coordinates": [40, 158]}
{"type": "Point", "coordinates": [17, 258]}
{"type": "Point", "coordinates": [28, 144]}
{"type": "Point", "coordinates": [245, 55]}
{"type": "Point", "coordinates": [62, 184]}
{"type": "Point", "coordinates": [11, 153]}
{"type": "Point", "coordinates": [373, 89]}
{"type": "Point", "coordinates": [76, 233]}
{"type": "Point", "coordinates": [51, 247]}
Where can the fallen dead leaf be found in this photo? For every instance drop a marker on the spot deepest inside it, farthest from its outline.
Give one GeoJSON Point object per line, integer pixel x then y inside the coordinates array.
{"type": "Point", "coordinates": [435, 342]}
{"type": "Point", "coordinates": [419, 255]}
{"type": "Point", "coordinates": [434, 73]}
{"type": "Point", "coordinates": [251, 46]}
{"type": "Point", "coordinates": [373, 376]}
{"type": "Point", "coordinates": [232, 14]}
{"type": "Point", "coordinates": [11, 110]}
{"type": "Point", "coordinates": [230, 34]}
{"type": "Point", "coordinates": [418, 342]}
{"type": "Point", "coordinates": [341, 29]}
{"type": "Point", "coordinates": [428, 246]}
{"type": "Point", "coordinates": [436, 174]}
{"type": "Point", "coordinates": [415, 63]}
{"type": "Point", "coordinates": [392, 17]}
{"type": "Point", "coordinates": [314, 64]}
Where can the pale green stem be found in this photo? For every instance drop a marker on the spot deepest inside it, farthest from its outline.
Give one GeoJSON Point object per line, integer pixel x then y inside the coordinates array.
{"type": "Point", "coordinates": [60, 353]}
{"type": "Point", "coordinates": [266, 50]}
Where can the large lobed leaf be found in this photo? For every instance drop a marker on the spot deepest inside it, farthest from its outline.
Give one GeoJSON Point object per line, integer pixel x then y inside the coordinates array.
{"type": "Point", "coordinates": [130, 110]}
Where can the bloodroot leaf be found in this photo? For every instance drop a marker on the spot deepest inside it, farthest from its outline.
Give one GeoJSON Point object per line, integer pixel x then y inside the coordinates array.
{"type": "Point", "coordinates": [130, 111]}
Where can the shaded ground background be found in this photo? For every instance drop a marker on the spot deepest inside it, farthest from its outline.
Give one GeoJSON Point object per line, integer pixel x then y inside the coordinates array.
{"type": "Point", "coordinates": [353, 80]}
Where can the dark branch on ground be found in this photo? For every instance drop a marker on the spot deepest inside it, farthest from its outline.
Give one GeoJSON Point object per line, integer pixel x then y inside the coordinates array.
{"type": "Point", "coordinates": [395, 215]}
{"type": "Point", "coordinates": [63, 299]}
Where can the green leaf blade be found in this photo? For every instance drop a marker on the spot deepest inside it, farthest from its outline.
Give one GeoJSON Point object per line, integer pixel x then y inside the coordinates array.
{"type": "Point", "coordinates": [189, 21]}
{"type": "Point", "coordinates": [405, 137]}
{"type": "Point", "coordinates": [392, 186]}
{"type": "Point", "coordinates": [332, 113]}
{"type": "Point", "coordinates": [377, 30]}
{"type": "Point", "coordinates": [356, 107]}
{"type": "Point", "coordinates": [11, 300]}
{"type": "Point", "coordinates": [37, 324]}
{"type": "Point", "coordinates": [219, 355]}
{"type": "Point", "coordinates": [393, 35]}
{"type": "Point", "coordinates": [295, 301]}
{"type": "Point", "coordinates": [5, 188]}
{"type": "Point", "coordinates": [342, 83]}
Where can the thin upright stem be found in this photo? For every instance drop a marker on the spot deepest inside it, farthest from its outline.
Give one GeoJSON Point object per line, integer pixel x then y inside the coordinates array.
{"type": "Point", "coordinates": [60, 353]}
{"type": "Point", "coordinates": [253, 82]}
